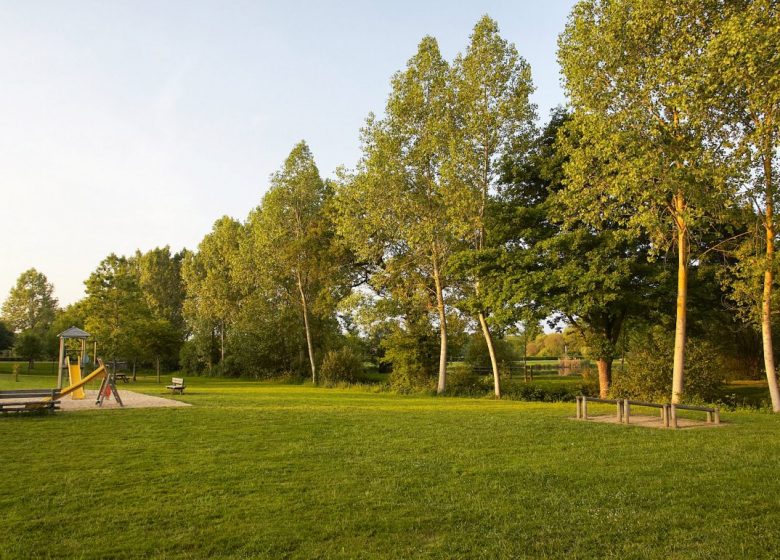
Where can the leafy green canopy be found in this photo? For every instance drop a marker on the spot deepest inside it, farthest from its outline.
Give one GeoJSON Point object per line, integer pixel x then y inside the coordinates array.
{"type": "Point", "coordinates": [635, 74]}
{"type": "Point", "coordinates": [30, 304]}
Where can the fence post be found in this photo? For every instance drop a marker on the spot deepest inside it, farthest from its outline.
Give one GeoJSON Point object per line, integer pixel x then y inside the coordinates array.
{"type": "Point", "coordinates": [579, 414]}
{"type": "Point", "coordinates": [627, 411]}
{"type": "Point", "coordinates": [674, 416]}
{"type": "Point", "coordinates": [584, 408]}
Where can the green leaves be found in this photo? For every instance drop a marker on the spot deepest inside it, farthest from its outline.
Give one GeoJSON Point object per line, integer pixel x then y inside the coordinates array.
{"type": "Point", "coordinates": [30, 304]}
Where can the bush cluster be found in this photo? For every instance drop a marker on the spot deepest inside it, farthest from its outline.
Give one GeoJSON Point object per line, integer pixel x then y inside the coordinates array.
{"type": "Point", "coordinates": [648, 371]}
{"type": "Point", "coordinates": [341, 366]}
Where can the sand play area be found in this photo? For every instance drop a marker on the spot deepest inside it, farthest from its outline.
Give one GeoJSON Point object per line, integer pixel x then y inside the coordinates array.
{"type": "Point", "coordinates": [129, 398]}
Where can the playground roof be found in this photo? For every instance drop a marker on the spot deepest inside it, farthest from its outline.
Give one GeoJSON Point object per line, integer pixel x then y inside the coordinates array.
{"type": "Point", "coordinates": [74, 332]}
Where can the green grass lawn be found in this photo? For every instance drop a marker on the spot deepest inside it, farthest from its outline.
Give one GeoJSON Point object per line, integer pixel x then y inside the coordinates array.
{"type": "Point", "coordinates": [39, 368]}
{"type": "Point", "coordinates": [258, 470]}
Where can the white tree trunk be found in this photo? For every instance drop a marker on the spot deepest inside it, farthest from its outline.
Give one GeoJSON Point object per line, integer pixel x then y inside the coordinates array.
{"type": "Point", "coordinates": [766, 303]}
{"type": "Point", "coordinates": [492, 353]}
{"type": "Point", "coordinates": [442, 384]}
{"type": "Point", "coordinates": [678, 372]}
{"type": "Point", "coordinates": [309, 344]}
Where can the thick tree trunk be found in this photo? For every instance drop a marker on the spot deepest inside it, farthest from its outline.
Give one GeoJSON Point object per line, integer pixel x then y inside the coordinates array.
{"type": "Point", "coordinates": [766, 303]}
{"type": "Point", "coordinates": [309, 344]}
{"type": "Point", "coordinates": [442, 385]}
{"type": "Point", "coordinates": [604, 366]}
{"type": "Point", "coordinates": [678, 372]}
{"type": "Point", "coordinates": [492, 353]}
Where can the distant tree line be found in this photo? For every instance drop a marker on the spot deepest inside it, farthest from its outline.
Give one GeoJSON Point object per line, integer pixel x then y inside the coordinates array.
{"type": "Point", "coordinates": [641, 217]}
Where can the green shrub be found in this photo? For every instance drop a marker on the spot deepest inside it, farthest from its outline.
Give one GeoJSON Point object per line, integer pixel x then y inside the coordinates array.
{"type": "Point", "coordinates": [648, 369]}
{"type": "Point", "coordinates": [343, 365]}
{"type": "Point", "coordinates": [476, 352]}
{"type": "Point", "coordinates": [461, 380]}
{"type": "Point", "coordinates": [189, 358]}
{"type": "Point", "coordinates": [414, 358]}
{"type": "Point", "coordinates": [531, 392]}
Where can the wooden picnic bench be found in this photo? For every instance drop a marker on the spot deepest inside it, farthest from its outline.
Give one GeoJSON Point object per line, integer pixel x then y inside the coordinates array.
{"type": "Point", "coordinates": [122, 377]}
{"type": "Point", "coordinates": [177, 384]}
{"type": "Point", "coordinates": [25, 400]}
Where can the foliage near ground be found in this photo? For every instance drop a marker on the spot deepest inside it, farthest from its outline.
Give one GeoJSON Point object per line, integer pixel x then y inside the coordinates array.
{"type": "Point", "coordinates": [275, 471]}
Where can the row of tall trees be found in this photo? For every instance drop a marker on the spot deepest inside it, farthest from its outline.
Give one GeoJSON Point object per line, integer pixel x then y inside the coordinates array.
{"type": "Point", "coordinates": [133, 307]}
{"type": "Point", "coordinates": [419, 197]}
{"type": "Point", "coordinates": [676, 105]}
{"type": "Point", "coordinates": [461, 217]}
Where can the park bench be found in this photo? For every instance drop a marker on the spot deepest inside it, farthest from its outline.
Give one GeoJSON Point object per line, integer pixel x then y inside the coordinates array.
{"type": "Point", "coordinates": [177, 384]}
{"type": "Point", "coordinates": [21, 400]}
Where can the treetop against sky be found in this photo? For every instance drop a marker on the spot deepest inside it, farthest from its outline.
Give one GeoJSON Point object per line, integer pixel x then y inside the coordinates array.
{"type": "Point", "coordinates": [137, 125]}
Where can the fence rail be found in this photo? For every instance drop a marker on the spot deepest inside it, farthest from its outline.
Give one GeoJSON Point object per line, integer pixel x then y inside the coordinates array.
{"type": "Point", "coordinates": [668, 411]}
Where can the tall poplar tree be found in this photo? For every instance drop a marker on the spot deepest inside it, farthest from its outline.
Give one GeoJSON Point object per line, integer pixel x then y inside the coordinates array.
{"type": "Point", "coordinates": [745, 60]}
{"type": "Point", "coordinates": [634, 72]}
{"type": "Point", "coordinates": [492, 118]}
{"type": "Point", "coordinates": [290, 240]}
{"type": "Point", "coordinates": [393, 208]}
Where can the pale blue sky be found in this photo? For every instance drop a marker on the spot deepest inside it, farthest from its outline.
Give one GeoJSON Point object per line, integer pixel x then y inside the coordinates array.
{"type": "Point", "coordinates": [134, 124]}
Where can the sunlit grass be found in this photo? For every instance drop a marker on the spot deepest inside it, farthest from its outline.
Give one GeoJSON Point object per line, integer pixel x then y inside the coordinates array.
{"type": "Point", "coordinates": [261, 470]}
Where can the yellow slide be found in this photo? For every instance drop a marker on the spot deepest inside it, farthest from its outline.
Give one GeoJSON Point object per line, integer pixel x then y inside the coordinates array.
{"type": "Point", "coordinates": [80, 385]}
{"type": "Point", "coordinates": [74, 372]}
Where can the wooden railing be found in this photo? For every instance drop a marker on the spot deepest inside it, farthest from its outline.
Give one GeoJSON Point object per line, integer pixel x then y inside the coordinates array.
{"type": "Point", "coordinates": [668, 411]}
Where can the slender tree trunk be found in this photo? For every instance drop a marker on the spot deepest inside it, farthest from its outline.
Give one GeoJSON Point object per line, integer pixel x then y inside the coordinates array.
{"type": "Point", "coordinates": [309, 345]}
{"type": "Point", "coordinates": [442, 385]}
{"type": "Point", "coordinates": [766, 303]}
{"type": "Point", "coordinates": [492, 353]}
{"type": "Point", "coordinates": [222, 342]}
{"type": "Point", "coordinates": [682, 302]}
{"type": "Point", "coordinates": [157, 359]}
{"type": "Point", "coordinates": [604, 366]}
{"type": "Point", "coordinates": [480, 244]}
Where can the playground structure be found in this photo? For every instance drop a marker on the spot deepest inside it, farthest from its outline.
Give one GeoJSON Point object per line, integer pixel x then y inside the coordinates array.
{"type": "Point", "coordinates": [64, 362]}
{"type": "Point", "coordinates": [76, 382]}
{"type": "Point", "coordinates": [49, 399]}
